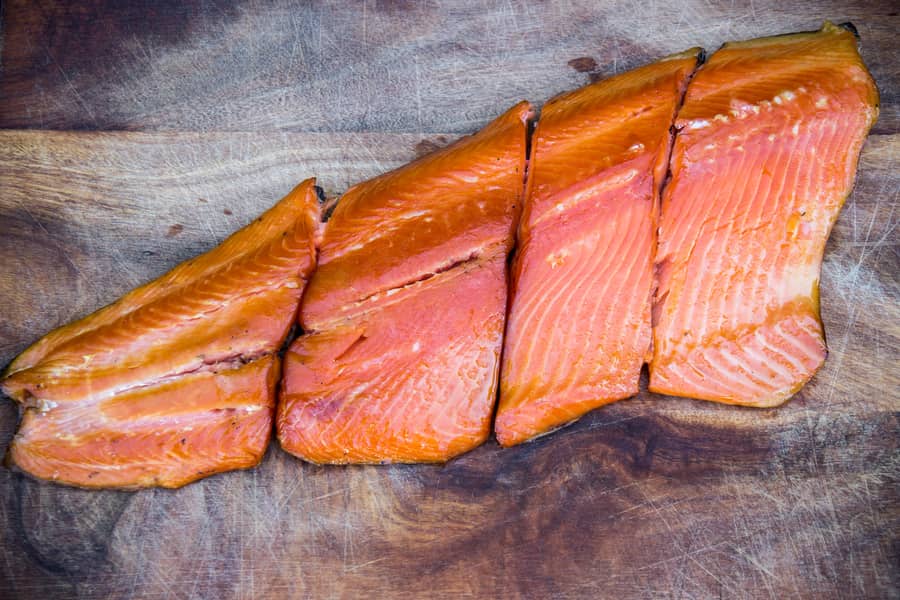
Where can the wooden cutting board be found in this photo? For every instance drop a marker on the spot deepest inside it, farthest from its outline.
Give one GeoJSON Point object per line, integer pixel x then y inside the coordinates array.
{"type": "Point", "coordinates": [177, 122]}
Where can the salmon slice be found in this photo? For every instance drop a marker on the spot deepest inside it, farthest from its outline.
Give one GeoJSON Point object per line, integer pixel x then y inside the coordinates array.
{"type": "Point", "coordinates": [175, 380]}
{"type": "Point", "coordinates": [768, 141]}
{"type": "Point", "coordinates": [405, 313]}
{"type": "Point", "coordinates": [579, 321]}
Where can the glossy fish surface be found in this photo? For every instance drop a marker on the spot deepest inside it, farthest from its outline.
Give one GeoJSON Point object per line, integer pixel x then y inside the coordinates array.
{"type": "Point", "coordinates": [579, 322]}
{"type": "Point", "coordinates": [404, 317]}
{"type": "Point", "coordinates": [176, 380]}
{"type": "Point", "coordinates": [765, 155]}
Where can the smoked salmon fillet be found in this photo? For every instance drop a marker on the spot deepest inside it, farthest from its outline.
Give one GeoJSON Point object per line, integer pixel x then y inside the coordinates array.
{"type": "Point", "coordinates": [579, 322]}
{"type": "Point", "coordinates": [765, 155]}
{"type": "Point", "coordinates": [177, 379]}
{"type": "Point", "coordinates": [405, 314]}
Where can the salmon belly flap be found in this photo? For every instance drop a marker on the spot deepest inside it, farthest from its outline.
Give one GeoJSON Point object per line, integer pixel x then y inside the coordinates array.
{"type": "Point", "coordinates": [579, 322]}
{"type": "Point", "coordinates": [768, 140]}
{"type": "Point", "coordinates": [176, 380]}
{"type": "Point", "coordinates": [404, 317]}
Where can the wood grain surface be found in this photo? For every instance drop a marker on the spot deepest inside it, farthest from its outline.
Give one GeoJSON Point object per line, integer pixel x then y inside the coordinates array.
{"type": "Point", "coordinates": [387, 65]}
{"type": "Point", "coordinates": [225, 106]}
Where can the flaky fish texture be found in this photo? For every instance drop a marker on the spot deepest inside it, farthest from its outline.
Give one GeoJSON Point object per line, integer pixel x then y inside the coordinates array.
{"type": "Point", "coordinates": [579, 321]}
{"type": "Point", "coordinates": [404, 317]}
{"type": "Point", "coordinates": [766, 151]}
{"type": "Point", "coordinates": [176, 380]}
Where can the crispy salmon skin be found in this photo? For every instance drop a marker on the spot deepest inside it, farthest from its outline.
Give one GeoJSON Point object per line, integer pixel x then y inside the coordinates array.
{"type": "Point", "coordinates": [765, 155]}
{"type": "Point", "coordinates": [176, 380]}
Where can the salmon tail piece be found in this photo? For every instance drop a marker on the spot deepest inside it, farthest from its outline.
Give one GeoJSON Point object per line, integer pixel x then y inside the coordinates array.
{"type": "Point", "coordinates": [579, 322]}
{"type": "Point", "coordinates": [404, 317]}
{"type": "Point", "coordinates": [768, 140]}
{"type": "Point", "coordinates": [176, 380]}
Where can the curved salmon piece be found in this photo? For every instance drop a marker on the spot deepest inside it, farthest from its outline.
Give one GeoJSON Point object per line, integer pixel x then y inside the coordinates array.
{"type": "Point", "coordinates": [175, 380]}
{"type": "Point", "coordinates": [765, 156]}
{"type": "Point", "coordinates": [405, 314]}
{"type": "Point", "coordinates": [579, 322]}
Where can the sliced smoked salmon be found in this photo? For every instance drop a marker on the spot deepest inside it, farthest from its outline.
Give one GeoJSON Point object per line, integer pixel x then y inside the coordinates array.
{"type": "Point", "coordinates": [579, 321]}
{"type": "Point", "coordinates": [765, 155]}
{"type": "Point", "coordinates": [405, 314]}
{"type": "Point", "coordinates": [176, 380]}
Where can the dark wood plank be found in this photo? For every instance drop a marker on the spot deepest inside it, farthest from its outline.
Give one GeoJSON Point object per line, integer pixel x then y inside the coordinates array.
{"type": "Point", "coordinates": [369, 66]}
{"type": "Point", "coordinates": [651, 497]}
